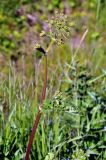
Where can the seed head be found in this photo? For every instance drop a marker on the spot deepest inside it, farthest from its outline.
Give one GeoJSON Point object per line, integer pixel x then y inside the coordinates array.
{"type": "Point", "coordinates": [60, 27]}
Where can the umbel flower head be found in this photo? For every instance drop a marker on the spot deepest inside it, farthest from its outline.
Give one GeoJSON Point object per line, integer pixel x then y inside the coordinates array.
{"type": "Point", "coordinates": [60, 27]}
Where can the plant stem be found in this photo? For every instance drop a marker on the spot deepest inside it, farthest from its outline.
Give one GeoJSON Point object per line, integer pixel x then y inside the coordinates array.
{"type": "Point", "coordinates": [37, 119]}
{"type": "Point", "coordinates": [38, 114]}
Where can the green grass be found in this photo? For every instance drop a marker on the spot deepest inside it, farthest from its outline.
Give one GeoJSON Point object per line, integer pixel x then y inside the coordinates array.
{"type": "Point", "coordinates": [73, 121]}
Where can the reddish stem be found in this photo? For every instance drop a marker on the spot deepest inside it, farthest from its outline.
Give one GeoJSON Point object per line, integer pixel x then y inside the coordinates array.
{"type": "Point", "coordinates": [37, 119]}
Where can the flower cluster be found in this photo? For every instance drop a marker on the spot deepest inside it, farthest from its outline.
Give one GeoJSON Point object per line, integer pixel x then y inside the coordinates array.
{"type": "Point", "coordinates": [59, 32]}
{"type": "Point", "coordinates": [60, 27]}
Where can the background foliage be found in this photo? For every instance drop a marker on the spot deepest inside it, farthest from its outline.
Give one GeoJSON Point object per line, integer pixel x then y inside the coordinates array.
{"type": "Point", "coordinates": [73, 123]}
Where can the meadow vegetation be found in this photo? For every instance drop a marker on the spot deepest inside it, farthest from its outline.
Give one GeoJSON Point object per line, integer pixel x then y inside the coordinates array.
{"type": "Point", "coordinates": [71, 35]}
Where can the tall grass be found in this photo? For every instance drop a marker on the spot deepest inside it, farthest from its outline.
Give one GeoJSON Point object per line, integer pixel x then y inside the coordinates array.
{"type": "Point", "coordinates": [72, 123]}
